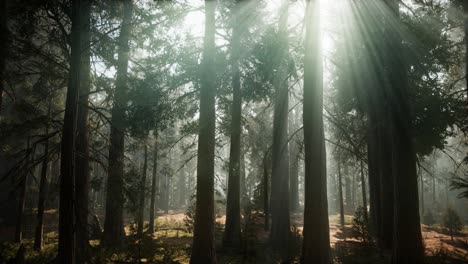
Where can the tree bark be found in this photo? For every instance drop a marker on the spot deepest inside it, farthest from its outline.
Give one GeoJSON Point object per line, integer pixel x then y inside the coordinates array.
{"type": "Point", "coordinates": [364, 193]}
{"type": "Point", "coordinates": [280, 225]}
{"type": "Point", "coordinates": [294, 166]}
{"type": "Point", "coordinates": [38, 236]}
{"type": "Point", "coordinates": [203, 249]}
{"type": "Point", "coordinates": [232, 233]}
{"type": "Point", "coordinates": [113, 225]}
{"type": "Point", "coordinates": [82, 138]}
{"type": "Point", "coordinates": [66, 243]}
{"type": "Point", "coordinates": [407, 238]}
{"type": "Point", "coordinates": [154, 187]}
{"type": "Point", "coordinates": [316, 243]}
{"type": "Point", "coordinates": [266, 204]}
{"type": "Point", "coordinates": [22, 196]}
{"type": "Point", "coordinates": [141, 213]}
{"type": "Point", "coordinates": [340, 192]}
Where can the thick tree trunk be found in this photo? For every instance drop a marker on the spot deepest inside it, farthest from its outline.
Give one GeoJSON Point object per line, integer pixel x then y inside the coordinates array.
{"type": "Point", "coordinates": [141, 213]}
{"type": "Point", "coordinates": [154, 187]}
{"type": "Point", "coordinates": [203, 249]}
{"type": "Point", "coordinates": [280, 225]}
{"type": "Point", "coordinates": [38, 236]}
{"type": "Point", "coordinates": [232, 233]}
{"type": "Point", "coordinates": [113, 225]}
{"type": "Point", "coordinates": [407, 239]}
{"type": "Point", "coordinates": [316, 244]}
{"type": "Point", "coordinates": [340, 193]}
{"type": "Point", "coordinates": [421, 190]}
{"type": "Point", "coordinates": [66, 243]}
{"type": "Point", "coordinates": [82, 139]}
{"type": "Point", "coordinates": [22, 197]}
{"type": "Point", "coordinates": [386, 183]}
{"type": "Point", "coordinates": [465, 22]}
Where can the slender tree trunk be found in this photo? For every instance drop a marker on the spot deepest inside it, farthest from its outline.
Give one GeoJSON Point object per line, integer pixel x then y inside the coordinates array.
{"type": "Point", "coordinates": [407, 240]}
{"type": "Point", "coordinates": [364, 193]}
{"type": "Point", "coordinates": [141, 213]}
{"type": "Point", "coordinates": [316, 244]}
{"type": "Point", "coordinates": [154, 187]}
{"type": "Point", "coordinates": [245, 198]}
{"type": "Point", "coordinates": [22, 197]}
{"type": "Point", "coordinates": [182, 188]}
{"type": "Point", "coordinates": [38, 236]}
{"type": "Point", "coordinates": [82, 139]}
{"type": "Point", "coordinates": [66, 243]}
{"type": "Point", "coordinates": [203, 249]}
{"type": "Point", "coordinates": [232, 233]}
{"type": "Point", "coordinates": [266, 204]}
{"type": "Point", "coordinates": [340, 192]}
{"type": "Point", "coordinates": [113, 225]}
{"type": "Point", "coordinates": [280, 225]}
{"type": "Point", "coordinates": [421, 190]}
{"type": "Point", "coordinates": [294, 166]}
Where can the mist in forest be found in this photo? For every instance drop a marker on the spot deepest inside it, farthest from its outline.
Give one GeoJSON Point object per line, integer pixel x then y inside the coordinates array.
{"type": "Point", "coordinates": [242, 131]}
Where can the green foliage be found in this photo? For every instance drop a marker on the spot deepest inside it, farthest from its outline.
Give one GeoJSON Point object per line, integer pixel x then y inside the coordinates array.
{"type": "Point", "coordinates": [459, 183]}
{"type": "Point", "coordinates": [452, 222]}
{"type": "Point", "coordinates": [360, 226]}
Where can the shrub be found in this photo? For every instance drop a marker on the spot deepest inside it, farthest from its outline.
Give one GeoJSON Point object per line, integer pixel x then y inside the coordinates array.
{"type": "Point", "coordinates": [452, 222]}
{"type": "Point", "coordinates": [360, 225]}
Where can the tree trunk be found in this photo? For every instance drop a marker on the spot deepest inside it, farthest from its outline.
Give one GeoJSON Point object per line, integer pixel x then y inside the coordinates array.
{"type": "Point", "coordinates": [316, 244]}
{"type": "Point", "coordinates": [82, 138]}
{"type": "Point", "coordinates": [294, 166]}
{"type": "Point", "coordinates": [232, 233]}
{"type": "Point", "coordinates": [340, 192]}
{"type": "Point", "coordinates": [203, 249]}
{"type": "Point", "coordinates": [66, 243]}
{"type": "Point", "coordinates": [280, 226]}
{"type": "Point", "coordinates": [266, 204]}
{"type": "Point", "coordinates": [154, 187]}
{"type": "Point", "coordinates": [421, 190]}
{"type": "Point", "coordinates": [364, 193]}
{"type": "Point", "coordinates": [407, 240]}
{"type": "Point", "coordinates": [22, 196]}
{"type": "Point", "coordinates": [141, 213]}
{"type": "Point", "coordinates": [113, 225]}
{"type": "Point", "coordinates": [38, 236]}
{"type": "Point", "coordinates": [182, 188]}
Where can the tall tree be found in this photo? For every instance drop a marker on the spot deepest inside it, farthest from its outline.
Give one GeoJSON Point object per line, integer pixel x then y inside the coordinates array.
{"type": "Point", "coordinates": [113, 225]}
{"type": "Point", "coordinates": [316, 245]}
{"type": "Point", "coordinates": [407, 238]}
{"type": "Point", "coordinates": [141, 206]}
{"type": "Point", "coordinates": [203, 249]}
{"type": "Point", "coordinates": [82, 138]}
{"type": "Point", "coordinates": [232, 233]}
{"type": "Point", "coordinates": [295, 151]}
{"type": "Point", "coordinates": [279, 200]}
{"type": "Point", "coordinates": [39, 232]}
{"type": "Point", "coordinates": [66, 243]}
{"type": "Point", "coordinates": [154, 186]}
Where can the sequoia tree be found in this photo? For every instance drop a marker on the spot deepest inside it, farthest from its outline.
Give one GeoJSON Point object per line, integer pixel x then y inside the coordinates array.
{"type": "Point", "coordinates": [316, 244]}
{"type": "Point", "coordinates": [203, 249]}
{"type": "Point", "coordinates": [113, 225]}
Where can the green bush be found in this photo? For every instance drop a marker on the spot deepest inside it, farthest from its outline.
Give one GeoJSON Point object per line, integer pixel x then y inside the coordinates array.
{"type": "Point", "coordinates": [360, 225]}
{"type": "Point", "coordinates": [452, 222]}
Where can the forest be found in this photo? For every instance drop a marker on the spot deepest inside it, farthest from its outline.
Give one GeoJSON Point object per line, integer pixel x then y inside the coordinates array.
{"type": "Point", "coordinates": [233, 131]}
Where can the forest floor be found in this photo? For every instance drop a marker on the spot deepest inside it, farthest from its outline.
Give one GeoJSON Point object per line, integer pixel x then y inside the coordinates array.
{"type": "Point", "coordinates": [171, 243]}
